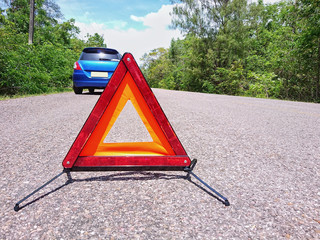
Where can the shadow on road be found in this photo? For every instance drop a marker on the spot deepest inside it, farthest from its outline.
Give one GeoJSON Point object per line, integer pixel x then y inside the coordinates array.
{"type": "Point", "coordinates": [94, 93]}
{"type": "Point", "coordinates": [123, 176]}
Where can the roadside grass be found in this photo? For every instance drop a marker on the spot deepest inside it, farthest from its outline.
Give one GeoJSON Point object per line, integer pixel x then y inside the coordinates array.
{"type": "Point", "coordinates": [55, 91]}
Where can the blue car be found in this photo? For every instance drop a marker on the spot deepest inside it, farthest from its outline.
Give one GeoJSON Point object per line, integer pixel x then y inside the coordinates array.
{"type": "Point", "coordinates": [94, 68]}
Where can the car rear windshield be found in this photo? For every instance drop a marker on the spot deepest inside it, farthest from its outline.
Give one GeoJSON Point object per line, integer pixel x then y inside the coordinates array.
{"type": "Point", "coordinates": [99, 54]}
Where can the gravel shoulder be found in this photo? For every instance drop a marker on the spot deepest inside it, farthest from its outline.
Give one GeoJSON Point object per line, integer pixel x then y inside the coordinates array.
{"type": "Point", "coordinates": [262, 154]}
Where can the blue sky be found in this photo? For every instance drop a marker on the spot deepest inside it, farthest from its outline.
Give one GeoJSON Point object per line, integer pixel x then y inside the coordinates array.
{"type": "Point", "coordinates": [135, 26]}
{"type": "Point", "coordinates": [111, 13]}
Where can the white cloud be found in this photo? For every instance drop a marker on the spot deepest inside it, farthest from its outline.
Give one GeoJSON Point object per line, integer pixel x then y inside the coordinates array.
{"type": "Point", "coordinates": [137, 19]}
{"type": "Point", "coordinates": [136, 41]}
{"type": "Point", "coordinates": [159, 19]}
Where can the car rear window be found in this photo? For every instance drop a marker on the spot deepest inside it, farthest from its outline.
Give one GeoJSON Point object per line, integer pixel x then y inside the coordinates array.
{"type": "Point", "coordinates": [99, 54]}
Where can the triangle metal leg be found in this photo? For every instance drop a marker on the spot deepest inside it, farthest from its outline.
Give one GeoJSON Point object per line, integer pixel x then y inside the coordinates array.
{"type": "Point", "coordinates": [189, 170]}
{"type": "Point", "coordinates": [17, 207]}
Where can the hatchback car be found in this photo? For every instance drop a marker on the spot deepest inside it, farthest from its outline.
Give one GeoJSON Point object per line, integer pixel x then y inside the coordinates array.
{"type": "Point", "coordinates": [94, 68]}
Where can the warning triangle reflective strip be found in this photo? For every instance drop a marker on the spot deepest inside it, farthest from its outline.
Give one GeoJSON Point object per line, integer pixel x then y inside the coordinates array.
{"type": "Point", "coordinates": [89, 148]}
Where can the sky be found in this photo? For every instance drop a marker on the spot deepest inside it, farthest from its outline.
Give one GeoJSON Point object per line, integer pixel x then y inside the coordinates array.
{"type": "Point", "coordinates": [135, 26]}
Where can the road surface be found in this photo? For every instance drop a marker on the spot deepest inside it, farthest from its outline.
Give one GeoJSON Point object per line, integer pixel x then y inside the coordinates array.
{"type": "Point", "coordinates": [262, 154]}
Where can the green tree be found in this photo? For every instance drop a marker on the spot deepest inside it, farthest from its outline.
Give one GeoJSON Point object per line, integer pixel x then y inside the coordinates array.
{"type": "Point", "coordinates": [95, 40]}
{"type": "Point", "coordinates": [47, 64]}
{"type": "Point", "coordinates": [156, 68]}
{"type": "Point", "coordinates": [252, 49]}
{"type": "Point", "coordinates": [308, 43]}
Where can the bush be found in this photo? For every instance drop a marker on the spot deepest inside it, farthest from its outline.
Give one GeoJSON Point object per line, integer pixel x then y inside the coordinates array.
{"type": "Point", "coordinates": [35, 69]}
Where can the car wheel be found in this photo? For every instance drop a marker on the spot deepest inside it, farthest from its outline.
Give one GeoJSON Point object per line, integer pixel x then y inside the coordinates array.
{"type": "Point", "coordinates": [91, 90]}
{"type": "Point", "coordinates": [77, 90]}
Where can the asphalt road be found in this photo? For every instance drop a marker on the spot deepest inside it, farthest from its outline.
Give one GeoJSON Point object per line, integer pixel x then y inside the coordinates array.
{"type": "Point", "coordinates": [262, 154]}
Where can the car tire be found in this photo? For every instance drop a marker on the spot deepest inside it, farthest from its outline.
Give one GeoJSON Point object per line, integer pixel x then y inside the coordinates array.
{"type": "Point", "coordinates": [91, 90]}
{"type": "Point", "coordinates": [77, 90]}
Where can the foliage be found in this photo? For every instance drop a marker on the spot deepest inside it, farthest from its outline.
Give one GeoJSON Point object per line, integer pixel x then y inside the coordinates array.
{"type": "Point", "coordinates": [46, 65]}
{"type": "Point", "coordinates": [232, 47]}
{"type": "Point", "coordinates": [95, 41]}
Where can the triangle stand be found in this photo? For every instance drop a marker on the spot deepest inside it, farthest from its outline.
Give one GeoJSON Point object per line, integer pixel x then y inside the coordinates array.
{"type": "Point", "coordinates": [188, 169]}
{"type": "Point", "coordinates": [90, 152]}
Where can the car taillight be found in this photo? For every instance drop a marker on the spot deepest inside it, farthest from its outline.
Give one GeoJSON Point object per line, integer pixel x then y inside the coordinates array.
{"type": "Point", "coordinates": [76, 66]}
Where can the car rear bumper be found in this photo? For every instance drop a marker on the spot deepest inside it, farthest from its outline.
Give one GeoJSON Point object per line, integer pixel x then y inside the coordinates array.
{"type": "Point", "coordinates": [81, 80]}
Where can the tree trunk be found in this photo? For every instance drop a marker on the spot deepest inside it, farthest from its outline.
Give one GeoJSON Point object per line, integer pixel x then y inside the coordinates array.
{"type": "Point", "coordinates": [318, 75]}
{"type": "Point", "coordinates": [31, 22]}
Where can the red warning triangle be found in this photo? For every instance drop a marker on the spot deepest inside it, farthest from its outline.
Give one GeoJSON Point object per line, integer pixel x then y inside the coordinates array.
{"type": "Point", "coordinates": [90, 150]}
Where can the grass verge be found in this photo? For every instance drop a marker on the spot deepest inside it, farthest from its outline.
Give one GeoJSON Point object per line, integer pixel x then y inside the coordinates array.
{"type": "Point", "coordinates": [7, 97]}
